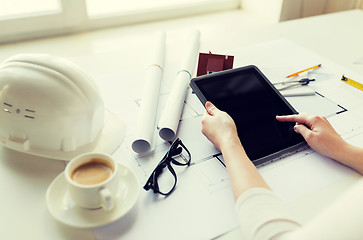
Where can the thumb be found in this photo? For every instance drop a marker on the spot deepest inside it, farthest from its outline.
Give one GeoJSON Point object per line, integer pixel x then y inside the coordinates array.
{"type": "Point", "coordinates": [211, 109]}
{"type": "Point", "coordinates": [302, 129]}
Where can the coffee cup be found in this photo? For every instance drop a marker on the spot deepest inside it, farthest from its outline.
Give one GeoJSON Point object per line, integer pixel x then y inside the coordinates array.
{"type": "Point", "coordinates": [93, 180]}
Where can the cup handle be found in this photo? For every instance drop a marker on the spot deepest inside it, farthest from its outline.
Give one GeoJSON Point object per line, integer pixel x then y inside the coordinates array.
{"type": "Point", "coordinates": [106, 199]}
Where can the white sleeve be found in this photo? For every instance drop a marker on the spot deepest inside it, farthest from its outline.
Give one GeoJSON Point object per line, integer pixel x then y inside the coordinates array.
{"type": "Point", "coordinates": [342, 219]}
{"type": "Point", "coordinates": [263, 216]}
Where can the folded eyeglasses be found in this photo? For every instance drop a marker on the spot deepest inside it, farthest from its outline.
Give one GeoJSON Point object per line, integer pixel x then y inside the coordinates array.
{"type": "Point", "coordinates": [177, 155]}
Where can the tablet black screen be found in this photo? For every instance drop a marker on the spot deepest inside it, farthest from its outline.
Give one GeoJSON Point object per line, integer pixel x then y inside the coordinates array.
{"type": "Point", "coordinates": [250, 99]}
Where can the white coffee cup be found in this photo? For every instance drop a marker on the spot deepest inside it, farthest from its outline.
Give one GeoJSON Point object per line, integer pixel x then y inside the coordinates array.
{"type": "Point", "coordinates": [93, 180]}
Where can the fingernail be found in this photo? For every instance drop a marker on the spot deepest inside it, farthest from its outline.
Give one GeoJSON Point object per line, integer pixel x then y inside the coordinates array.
{"type": "Point", "coordinates": [209, 106]}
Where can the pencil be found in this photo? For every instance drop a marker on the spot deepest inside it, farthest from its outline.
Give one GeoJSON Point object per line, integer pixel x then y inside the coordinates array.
{"type": "Point", "coordinates": [310, 68]}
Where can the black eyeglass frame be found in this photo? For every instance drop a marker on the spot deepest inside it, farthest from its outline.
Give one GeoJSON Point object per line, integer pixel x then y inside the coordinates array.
{"type": "Point", "coordinates": [174, 150]}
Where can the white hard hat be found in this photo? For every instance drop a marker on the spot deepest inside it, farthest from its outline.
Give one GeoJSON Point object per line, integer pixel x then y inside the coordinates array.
{"type": "Point", "coordinates": [50, 108]}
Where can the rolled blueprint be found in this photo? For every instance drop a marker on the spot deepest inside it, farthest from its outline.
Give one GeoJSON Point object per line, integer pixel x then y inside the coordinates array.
{"type": "Point", "coordinates": [144, 135]}
{"type": "Point", "coordinates": [169, 120]}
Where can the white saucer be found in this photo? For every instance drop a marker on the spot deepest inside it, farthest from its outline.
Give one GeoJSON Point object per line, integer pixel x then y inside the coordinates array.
{"type": "Point", "coordinates": [64, 209]}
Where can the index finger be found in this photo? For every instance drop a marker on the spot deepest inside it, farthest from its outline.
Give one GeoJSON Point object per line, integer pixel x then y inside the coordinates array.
{"type": "Point", "coordinates": [299, 118]}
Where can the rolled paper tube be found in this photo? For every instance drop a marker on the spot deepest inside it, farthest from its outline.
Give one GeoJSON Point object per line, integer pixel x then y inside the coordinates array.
{"type": "Point", "coordinates": [169, 121]}
{"type": "Point", "coordinates": [143, 139]}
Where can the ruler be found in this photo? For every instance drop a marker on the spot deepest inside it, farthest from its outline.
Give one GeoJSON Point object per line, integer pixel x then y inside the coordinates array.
{"type": "Point", "coordinates": [352, 83]}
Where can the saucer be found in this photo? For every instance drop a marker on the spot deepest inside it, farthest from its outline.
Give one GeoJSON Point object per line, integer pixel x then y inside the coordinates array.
{"type": "Point", "coordinates": [62, 207]}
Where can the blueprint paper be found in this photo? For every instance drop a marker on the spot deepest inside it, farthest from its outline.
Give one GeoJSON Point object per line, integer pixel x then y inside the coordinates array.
{"type": "Point", "coordinates": [202, 206]}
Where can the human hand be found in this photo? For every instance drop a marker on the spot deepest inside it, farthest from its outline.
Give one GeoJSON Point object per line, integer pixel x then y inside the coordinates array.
{"type": "Point", "coordinates": [318, 133]}
{"type": "Point", "coordinates": [218, 126]}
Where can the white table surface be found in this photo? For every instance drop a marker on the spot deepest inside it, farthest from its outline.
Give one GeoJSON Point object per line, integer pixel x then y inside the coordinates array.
{"type": "Point", "coordinates": [24, 179]}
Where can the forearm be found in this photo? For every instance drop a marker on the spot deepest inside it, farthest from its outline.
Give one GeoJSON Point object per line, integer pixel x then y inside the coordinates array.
{"type": "Point", "coordinates": [243, 174]}
{"type": "Point", "coordinates": [351, 156]}
{"type": "Point", "coordinates": [261, 213]}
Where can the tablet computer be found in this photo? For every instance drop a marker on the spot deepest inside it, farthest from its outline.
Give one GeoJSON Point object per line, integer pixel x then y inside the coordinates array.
{"type": "Point", "coordinates": [253, 103]}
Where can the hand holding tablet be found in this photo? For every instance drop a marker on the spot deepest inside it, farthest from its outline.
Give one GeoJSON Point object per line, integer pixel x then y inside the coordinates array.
{"type": "Point", "coordinates": [253, 103]}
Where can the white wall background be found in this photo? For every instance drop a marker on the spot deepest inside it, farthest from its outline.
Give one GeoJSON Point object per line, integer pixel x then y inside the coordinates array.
{"type": "Point", "coordinates": [282, 10]}
{"type": "Point", "coordinates": [292, 9]}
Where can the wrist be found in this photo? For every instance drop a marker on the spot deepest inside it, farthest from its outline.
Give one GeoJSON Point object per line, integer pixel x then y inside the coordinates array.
{"type": "Point", "coordinates": [232, 142]}
{"type": "Point", "coordinates": [344, 152]}
{"type": "Point", "coordinates": [351, 156]}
